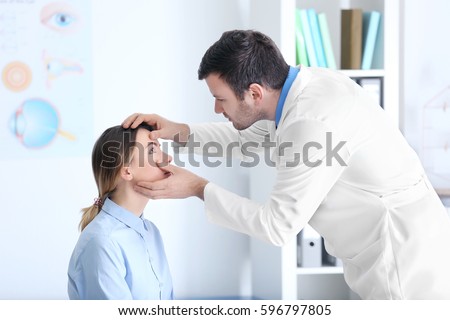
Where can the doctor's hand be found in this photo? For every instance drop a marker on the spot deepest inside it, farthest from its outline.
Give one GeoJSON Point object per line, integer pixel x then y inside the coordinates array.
{"type": "Point", "coordinates": [178, 184]}
{"type": "Point", "coordinates": [163, 128]}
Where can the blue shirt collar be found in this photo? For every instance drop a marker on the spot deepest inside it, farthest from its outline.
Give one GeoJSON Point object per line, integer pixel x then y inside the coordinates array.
{"type": "Point", "coordinates": [124, 216]}
{"type": "Point", "coordinates": [284, 92]}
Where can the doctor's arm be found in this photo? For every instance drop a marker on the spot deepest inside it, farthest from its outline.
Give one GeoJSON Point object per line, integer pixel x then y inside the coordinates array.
{"type": "Point", "coordinates": [307, 169]}
{"type": "Point", "coordinates": [199, 135]}
{"type": "Point", "coordinates": [306, 172]}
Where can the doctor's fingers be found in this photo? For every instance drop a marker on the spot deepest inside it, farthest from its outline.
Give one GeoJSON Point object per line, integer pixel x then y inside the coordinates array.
{"type": "Point", "coordinates": [146, 190]}
{"type": "Point", "coordinates": [155, 194]}
{"type": "Point", "coordinates": [137, 118]}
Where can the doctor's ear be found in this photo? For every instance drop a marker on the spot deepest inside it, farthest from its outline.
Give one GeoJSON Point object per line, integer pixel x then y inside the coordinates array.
{"type": "Point", "coordinates": [126, 174]}
{"type": "Point", "coordinates": [256, 91]}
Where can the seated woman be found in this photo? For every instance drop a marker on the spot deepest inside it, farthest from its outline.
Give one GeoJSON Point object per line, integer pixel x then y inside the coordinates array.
{"type": "Point", "coordinates": [119, 254]}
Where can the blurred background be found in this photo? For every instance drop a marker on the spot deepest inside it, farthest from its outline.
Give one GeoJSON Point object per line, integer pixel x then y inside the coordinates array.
{"type": "Point", "coordinates": [107, 59]}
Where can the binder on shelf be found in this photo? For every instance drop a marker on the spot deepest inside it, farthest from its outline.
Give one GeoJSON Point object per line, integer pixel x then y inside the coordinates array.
{"type": "Point", "coordinates": [371, 23]}
{"type": "Point", "coordinates": [351, 38]}
{"type": "Point", "coordinates": [328, 259]}
{"type": "Point", "coordinates": [326, 40]}
{"type": "Point", "coordinates": [308, 38]}
{"type": "Point", "coordinates": [310, 248]}
{"type": "Point", "coordinates": [373, 87]}
{"type": "Point", "coordinates": [317, 38]}
{"type": "Point", "coordinates": [300, 44]}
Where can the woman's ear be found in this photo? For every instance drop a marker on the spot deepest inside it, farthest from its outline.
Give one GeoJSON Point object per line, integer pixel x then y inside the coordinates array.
{"type": "Point", "coordinates": [126, 174]}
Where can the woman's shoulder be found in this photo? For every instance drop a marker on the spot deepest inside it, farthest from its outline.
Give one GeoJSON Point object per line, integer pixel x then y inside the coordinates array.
{"type": "Point", "coordinates": [100, 229]}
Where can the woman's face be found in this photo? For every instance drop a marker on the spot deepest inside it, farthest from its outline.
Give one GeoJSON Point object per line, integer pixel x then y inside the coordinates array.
{"type": "Point", "coordinates": [145, 157]}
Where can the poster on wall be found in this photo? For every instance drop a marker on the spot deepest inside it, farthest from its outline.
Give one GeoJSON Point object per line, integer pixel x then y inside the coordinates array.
{"type": "Point", "coordinates": [46, 78]}
{"type": "Point", "coordinates": [427, 88]}
{"type": "Point", "coordinates": [435, 140]}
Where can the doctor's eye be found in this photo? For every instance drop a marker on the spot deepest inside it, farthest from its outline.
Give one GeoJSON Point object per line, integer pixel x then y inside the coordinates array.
{"type": "Point", "coordinates": [59, 17]}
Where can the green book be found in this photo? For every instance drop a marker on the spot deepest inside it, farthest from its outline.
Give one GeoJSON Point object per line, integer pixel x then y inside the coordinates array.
{"type": "Point", "coordinates": [302, 56]}
{"type": "Point", "coordinates": [326, 40]}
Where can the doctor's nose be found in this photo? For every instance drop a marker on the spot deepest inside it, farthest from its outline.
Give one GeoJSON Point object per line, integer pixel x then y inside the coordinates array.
{"type": "Point", "coordinates": [217, 107]}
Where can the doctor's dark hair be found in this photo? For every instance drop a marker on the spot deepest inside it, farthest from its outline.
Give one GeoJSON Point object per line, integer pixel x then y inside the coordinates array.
{"type": "Point", "coordinates": [111, 151]}
{"type": "Point", "coordinates": [243, 57]}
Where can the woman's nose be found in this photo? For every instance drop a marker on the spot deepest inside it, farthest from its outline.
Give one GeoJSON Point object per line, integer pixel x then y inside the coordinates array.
{"type": "Point", "coordinates": [165, 158]}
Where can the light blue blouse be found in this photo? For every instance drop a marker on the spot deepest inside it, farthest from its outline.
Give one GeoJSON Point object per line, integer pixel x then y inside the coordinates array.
{"type": "Point", "coordinates": [119, 256]}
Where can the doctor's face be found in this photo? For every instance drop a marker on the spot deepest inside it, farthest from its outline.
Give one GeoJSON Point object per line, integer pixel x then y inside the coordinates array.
{"type": "Point", "coordinates": [241, 113]}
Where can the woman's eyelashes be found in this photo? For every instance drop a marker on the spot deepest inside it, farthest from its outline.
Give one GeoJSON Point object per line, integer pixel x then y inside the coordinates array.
{"type": "Point", "coordinates": [151, 148]}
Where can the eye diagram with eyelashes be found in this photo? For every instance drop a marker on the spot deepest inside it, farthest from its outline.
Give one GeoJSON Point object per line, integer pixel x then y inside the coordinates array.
{"type": "Point", "coordinates": [36, 124]}
{"type": "Point", "coordinates": [60, 17]}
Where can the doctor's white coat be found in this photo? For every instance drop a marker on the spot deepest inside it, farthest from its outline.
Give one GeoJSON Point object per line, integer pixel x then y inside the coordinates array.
{"type": "Point", "coordinates": [345, 169]}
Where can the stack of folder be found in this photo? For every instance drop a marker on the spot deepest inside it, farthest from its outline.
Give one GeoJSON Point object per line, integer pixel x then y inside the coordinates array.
{"type": "Point", "coordinates": [359, 38]}
{"type": "Point", "coordinates": [359, 34]}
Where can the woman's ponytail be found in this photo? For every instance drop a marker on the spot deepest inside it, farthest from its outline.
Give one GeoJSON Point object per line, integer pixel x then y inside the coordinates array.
{"type": "Point", "coordinates": [89, 213]}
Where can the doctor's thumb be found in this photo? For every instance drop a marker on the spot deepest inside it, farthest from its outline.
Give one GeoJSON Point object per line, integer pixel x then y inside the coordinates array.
{"type": "Point", "coordinates": [155, 134]}
{"type": "Point", "coordinates": [166, 166]}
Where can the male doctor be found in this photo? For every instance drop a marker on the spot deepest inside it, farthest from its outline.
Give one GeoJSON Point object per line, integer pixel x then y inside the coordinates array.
{"type": "Point", "coordinates": [342, 167]}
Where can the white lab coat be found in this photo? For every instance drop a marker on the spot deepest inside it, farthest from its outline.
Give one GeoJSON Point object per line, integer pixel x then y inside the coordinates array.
{"type": "Point", "coordinates": [379, 213]}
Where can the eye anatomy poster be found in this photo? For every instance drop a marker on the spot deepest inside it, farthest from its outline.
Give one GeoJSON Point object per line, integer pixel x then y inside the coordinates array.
{"type": "Point", "coordinates": [46, 78]}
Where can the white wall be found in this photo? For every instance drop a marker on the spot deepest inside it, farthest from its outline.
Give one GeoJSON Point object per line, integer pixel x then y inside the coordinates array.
{"type": "Point", "coordinates": [426, 74]}
{"type": "Point", "coordinates": [145, 59]}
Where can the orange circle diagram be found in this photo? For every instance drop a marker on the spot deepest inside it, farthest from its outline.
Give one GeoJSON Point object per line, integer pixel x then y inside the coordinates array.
{"type": "Point", "coordinates": [16, 76]}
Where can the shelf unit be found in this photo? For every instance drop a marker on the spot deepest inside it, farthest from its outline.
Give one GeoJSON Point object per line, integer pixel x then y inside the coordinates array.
{"type": "Point", "coordinates": [275, 274]}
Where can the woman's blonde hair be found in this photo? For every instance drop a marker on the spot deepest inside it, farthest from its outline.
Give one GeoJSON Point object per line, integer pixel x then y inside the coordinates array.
{"type": "Point", "coordinates": [111, 152]}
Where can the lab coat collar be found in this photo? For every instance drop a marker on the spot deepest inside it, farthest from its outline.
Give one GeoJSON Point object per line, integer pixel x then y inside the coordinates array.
{"type": "Point", "coordinates": [293, 71]}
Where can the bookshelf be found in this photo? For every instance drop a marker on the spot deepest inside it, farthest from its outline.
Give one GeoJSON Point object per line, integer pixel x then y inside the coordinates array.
{"type": "Point", "coordinates": [275, 274]}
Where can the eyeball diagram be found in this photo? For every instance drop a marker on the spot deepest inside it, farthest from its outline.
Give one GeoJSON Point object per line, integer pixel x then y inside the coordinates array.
{"type": "Point", "coordinates": [36, 123]}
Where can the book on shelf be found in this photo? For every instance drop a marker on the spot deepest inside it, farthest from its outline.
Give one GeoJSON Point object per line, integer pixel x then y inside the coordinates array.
{"type": "Point", "coordinates": [300, 44]}
{"type": "Point", "coordinates": [307, 35]}
{"type": "Point", "coordinates": [371, 23]}
{"type": "Point", "coordinates": [326, 40]}
{"type": "Point", "coordinates": [351, 38]}
{"type": "Point", "coordinates": [316, 37]}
